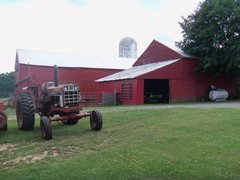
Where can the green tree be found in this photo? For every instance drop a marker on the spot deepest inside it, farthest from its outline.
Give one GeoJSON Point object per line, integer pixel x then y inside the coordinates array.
{"type": "Point", "coordinates": [7, 81]}
{"type": "Point", "coordinates": [212, 33]}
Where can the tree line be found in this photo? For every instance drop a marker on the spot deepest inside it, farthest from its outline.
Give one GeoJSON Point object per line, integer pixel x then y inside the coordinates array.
{"type": "Point", "coordinates": [7, 84]}
{"type": "Point", "coordinates": [212, 33]}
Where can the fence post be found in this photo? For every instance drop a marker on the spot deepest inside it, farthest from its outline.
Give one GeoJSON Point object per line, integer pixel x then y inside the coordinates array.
{"type": "Point", "coordinates": [115, 97]}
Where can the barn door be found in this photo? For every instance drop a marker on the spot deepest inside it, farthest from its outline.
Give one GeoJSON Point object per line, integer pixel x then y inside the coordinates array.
{"type": "Point", "coordinates": [156, 91]}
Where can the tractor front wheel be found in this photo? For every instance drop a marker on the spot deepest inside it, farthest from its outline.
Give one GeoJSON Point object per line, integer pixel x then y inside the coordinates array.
{"type": "Point", "coordinates": [3, 121]}
{"type": "Point", "coordinates": [96, 120]}
{"type": "Point", "coordinates": [46, 129]}
{"type": "Point", "coordinates": [25, 112]}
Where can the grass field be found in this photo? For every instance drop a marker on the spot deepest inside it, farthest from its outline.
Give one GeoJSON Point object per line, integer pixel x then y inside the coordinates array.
{"type": "Point", "coordinates": [170, 143]}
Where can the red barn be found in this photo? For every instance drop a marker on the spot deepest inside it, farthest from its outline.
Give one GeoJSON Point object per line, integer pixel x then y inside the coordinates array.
{"type": "Point", "coordinates": [35, 68]}
{"type": "Point", "coordinates": [159, 75]}
{"type": "Point", "coordinates": [162, 74]}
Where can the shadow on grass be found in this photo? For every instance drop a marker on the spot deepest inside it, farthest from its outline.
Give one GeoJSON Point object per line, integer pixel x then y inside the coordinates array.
{"type": "Point", "coordinates": [60, 130]}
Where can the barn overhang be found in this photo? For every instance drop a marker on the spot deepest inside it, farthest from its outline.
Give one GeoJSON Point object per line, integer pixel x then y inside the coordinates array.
{"type": "Point", "coordinates": [137, 71]}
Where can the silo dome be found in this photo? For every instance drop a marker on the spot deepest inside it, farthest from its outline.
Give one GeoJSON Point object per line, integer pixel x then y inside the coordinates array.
{"type": "Point", "coordinates": [128, 48]}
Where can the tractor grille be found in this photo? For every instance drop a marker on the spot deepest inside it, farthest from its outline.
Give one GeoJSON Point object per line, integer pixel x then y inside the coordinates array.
{"type": "Point", "coordinates": [71, 98]}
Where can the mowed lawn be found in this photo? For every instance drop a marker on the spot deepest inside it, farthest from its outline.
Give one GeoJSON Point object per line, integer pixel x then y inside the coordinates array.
{"type": "Point", "coordinates": [164, 143]}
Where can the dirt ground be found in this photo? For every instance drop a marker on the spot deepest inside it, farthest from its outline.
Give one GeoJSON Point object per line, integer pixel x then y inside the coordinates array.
{"type": "Point", "coordinates": [29, 158]}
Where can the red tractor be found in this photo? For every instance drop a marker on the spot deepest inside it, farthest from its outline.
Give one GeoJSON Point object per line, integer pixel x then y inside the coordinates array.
{"type": "Point", "coordinates": [52, 99]}
{"type": "Point", "coordinates": [3, 118]}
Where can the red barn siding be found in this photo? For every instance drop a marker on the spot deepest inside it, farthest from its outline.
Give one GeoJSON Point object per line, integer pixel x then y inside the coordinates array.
{"type": "Point", "coordinates": [156, 52]}
{"type": "Point", "coordinates": [176, 90]}
{"type": "Point", "coordinates": [85, 77]}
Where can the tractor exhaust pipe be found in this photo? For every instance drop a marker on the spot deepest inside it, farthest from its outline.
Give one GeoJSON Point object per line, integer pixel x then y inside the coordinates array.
{"type": "Point", "coordinates": [55, 76]}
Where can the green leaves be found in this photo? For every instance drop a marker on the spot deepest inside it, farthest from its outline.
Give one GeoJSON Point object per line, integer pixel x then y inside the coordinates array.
{"type": "Point", "coordinates": [7, 81]}
{"type": "Point", "coordinates": [212, 33]}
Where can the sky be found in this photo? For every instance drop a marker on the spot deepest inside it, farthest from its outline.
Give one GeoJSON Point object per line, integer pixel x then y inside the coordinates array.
{"type": "Point", "coordinates": [92, 27]}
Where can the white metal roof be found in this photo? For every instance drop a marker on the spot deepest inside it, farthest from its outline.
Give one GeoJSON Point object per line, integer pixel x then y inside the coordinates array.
{"type": "Point", "coordinates": [73, 60]}
{"type": "Point", "coordinates": [137, 71]}
{"type": "Point", "coordinates": [181, 52]}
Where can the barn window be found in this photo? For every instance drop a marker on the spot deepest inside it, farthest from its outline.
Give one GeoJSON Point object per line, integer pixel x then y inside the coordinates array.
{"type": "Point", "coordinates": [126, 91]}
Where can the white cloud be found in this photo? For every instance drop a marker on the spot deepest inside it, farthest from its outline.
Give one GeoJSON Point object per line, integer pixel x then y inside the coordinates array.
{"type": "Point", "coordinates": [95, 27]}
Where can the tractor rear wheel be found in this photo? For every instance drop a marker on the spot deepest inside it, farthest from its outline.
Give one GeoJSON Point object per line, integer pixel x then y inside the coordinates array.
{"type": "Point", "coordinates": [46, 129]}
{"type": "Point", "coordinates": [25, 112]}
{"type": "Point", "coordinates": [70, 122]}
{"type": "Point", "coordinates": [3, 121]}
{"type": "Point", "coordinates": [96, 120]}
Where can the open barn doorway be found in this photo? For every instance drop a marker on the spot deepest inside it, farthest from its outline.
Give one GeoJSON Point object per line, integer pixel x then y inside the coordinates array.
{"type": "Point", "coordinates": [156, 91]}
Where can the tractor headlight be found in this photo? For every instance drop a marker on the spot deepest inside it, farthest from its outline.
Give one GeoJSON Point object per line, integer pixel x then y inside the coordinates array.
{"type": "Point", "coordinates": [65, 88]}
{"type": "Point", "coordinates": [71, 87]}
{"type": "Point", "coordinates": [76, 88]}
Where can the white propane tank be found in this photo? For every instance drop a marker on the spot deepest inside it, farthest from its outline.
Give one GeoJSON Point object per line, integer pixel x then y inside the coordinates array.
{"type": "Point", "coordinates": [218, 95]}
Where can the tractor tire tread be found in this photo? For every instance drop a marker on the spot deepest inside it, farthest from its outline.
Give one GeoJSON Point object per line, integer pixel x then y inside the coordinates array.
{"type": "Point", "coordinates": [99, 120]}
{"type": "Point", "coordinates": [45, 126]}
{"type": "Point", "coordinates": [28, 113]}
